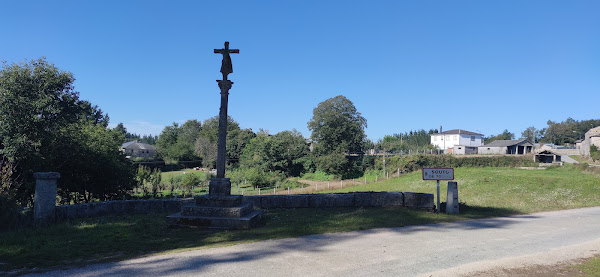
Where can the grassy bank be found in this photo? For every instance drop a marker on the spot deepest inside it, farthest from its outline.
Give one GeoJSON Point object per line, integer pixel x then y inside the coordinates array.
{"type": "Point", "coordinates": [485, 192]}
{"type": "Point", "coordinates": [521, 190]}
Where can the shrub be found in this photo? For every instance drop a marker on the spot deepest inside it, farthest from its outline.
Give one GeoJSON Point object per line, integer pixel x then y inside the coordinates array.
{"type": "Point", "coordinates": [317, 176]}
{"type": "Point", "coordinates": [594, 153]}
{"type": "Point", "coordinates": [417, 162]}
{"type": "Point", "coordinates": [11, 215]}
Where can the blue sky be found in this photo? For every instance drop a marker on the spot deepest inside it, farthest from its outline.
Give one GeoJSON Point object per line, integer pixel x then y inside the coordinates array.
{"type": "Point", "coordinates": [482, 66]}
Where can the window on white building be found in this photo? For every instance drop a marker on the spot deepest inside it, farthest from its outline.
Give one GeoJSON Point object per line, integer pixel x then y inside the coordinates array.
{"type": "Point", "coordinates": [472, 138]}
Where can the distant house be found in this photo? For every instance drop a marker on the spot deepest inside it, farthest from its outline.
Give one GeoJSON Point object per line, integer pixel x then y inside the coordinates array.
{"type": "Point", "coordinates": [592, 137]}
{"type": "Point", "coordinates": [520, 146]}
{"type": "Point", "coordinates": [448, 139]}
{"type": "Point", "coordinates": [464, 150]}
{"type": "Point", "coordinates": [138, 149]}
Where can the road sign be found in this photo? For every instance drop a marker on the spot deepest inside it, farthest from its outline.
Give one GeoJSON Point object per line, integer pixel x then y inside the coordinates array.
{"type": "Point", "coordinates": [438, 173]}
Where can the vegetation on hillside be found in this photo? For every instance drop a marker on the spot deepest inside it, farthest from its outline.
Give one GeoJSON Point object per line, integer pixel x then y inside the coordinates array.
{"type": "Point", "coordinates": [45, 126]}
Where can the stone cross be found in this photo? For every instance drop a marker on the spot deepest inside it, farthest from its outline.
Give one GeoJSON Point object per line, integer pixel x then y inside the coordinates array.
{"type": "Point", "coordinates": [221, 185]}
{"type": "Point", "coordinates": [226, 66]}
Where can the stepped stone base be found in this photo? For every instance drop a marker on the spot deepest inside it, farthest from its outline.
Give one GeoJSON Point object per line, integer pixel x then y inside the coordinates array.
{"type": "Point", "coordinates": [222, 212]}
{"type": "Point", "coordinates": [246, 222]}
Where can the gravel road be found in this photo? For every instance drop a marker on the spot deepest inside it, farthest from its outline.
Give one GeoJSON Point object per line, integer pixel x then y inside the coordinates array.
{"type": "Point", "coordinates": [448, 249]}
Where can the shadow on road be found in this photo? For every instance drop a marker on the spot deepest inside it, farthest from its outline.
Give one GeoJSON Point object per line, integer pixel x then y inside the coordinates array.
{"type": "Point", "coordinates": [306, 224]}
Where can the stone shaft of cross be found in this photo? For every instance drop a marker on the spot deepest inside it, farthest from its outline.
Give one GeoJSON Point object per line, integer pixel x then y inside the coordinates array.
{"type": "Point", "coordinates": [224, 85]}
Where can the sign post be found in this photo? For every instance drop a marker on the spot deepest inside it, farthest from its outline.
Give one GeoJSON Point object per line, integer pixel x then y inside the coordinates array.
{"type": "Point", "coordinates": [438, 174]}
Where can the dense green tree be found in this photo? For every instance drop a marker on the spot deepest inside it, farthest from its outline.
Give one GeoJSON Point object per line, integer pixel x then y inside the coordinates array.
{"type": "Point", "coordinates": [236, 138]}
{"type": "Point", "coordinates": [149, 139]}
{"type": "Point", "coordinates": [337, 133]}
{"type": "Point", "coordinates": [286, 152]}
{"type": "Point", "coordinates": [210, 128]}
{"type": "Point", "coordinates": [568, 131]}
{"type": "Point", "coordinates": [207, 151]}
{"type": "Point", "coordinates": [177, 143]}
{"type": "Point", "coordinates": [505, 135]}
{"type": "Point", "coordinates": [412, 140]}
{"type": "Point", "coordinates": [594, 153]}
{"type": "Point", "coordinates": [44, 126]}
{"type": "Point", "coordinates": [531, 134]}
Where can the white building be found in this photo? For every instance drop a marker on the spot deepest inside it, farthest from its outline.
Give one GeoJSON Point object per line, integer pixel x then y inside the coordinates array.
{"type": "Point", "coordinates": [449, 139]}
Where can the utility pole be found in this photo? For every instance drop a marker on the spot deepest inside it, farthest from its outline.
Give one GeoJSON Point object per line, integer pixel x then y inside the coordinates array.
{"type": "Point", "coordinates": [384, 162]}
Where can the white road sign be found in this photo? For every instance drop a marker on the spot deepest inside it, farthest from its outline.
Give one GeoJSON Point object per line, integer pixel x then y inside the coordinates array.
{"type": "Point", "coordinates": [438, 173]}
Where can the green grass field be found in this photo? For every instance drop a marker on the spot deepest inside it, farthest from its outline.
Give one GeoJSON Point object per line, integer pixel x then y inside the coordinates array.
{"type": "Point", "coordinates": [522, 190]}
{"type": "Point", "coordinates": [485, 192]}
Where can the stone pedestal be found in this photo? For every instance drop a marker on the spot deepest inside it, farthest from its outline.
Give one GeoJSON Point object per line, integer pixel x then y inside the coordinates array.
{"type": "Point", "coordinates": [219, 186]}
{"type": "Point", "coordinates": [217, 211]}
{"type": "Point", "coordinates": [44, 203]}
{"type": "Point", "coordinates": [452, 198]}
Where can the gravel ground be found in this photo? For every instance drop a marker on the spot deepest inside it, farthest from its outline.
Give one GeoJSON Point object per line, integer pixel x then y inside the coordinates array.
{"type": "Point", "coordinates": [485, 247]}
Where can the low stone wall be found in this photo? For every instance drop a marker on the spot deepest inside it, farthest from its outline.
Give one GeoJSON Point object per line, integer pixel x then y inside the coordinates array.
{"type": "Point", "coordinates": [66, 212]}
{"type": "Point", "coordinates": [422, 201]}
{"type": "Point", "coordinates": [358, 199]}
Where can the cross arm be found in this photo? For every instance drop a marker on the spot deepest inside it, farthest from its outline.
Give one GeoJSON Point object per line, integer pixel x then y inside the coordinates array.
{"type": "Point", "coordinates": [219, 51]}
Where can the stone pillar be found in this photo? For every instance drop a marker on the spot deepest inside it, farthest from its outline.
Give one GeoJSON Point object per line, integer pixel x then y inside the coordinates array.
{"type": "Point", "coordinates": [44, 203]}
{"type": "Point", "coordinates": [452, 198]}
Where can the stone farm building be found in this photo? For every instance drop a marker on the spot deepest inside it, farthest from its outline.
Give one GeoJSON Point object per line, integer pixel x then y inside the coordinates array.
{"type": "Point", "coordinates": [449, 139]}
{"type": "Point", "coordinates": [138, 149]}
{"type": "Point", "coordinates": [592, 137]}
{"type": "Point", "coordinates": [519, 147]}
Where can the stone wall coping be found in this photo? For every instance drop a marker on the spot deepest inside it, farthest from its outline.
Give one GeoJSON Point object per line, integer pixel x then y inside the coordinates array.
{"type": "Point", "coordinates": [46, 175]}
{"type": "Point", "coordinates": [422, 201]}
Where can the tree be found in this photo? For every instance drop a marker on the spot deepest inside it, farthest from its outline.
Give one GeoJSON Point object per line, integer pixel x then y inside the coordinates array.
{"type": "Point", "coordinates": [149, 139]}
{"type": "Point", "coordinates": [505, 135]}
{"type": "Point", "coordinates": [177, 143]}
{"type": "Point", "coordinates": [155, 179]}
{"type": "Point", "coordinates": [531, 134]}
{"type": "Point", "coordinates": [337, 132]}
{"type": "Point", "coordinates": [236, 137]}
{"type": "Point", "coordinates": [594, 153]}
{"type": "Point", "coordinates": [412, 140]}
{"type": "Point", "coordinates": [44, 126]}
{"type": "Point", "coordinates": [207, 151]}
{"type": "Point", "coordinates": [287, 152]}
{"type": "Point", "coordinates": [568, 131]}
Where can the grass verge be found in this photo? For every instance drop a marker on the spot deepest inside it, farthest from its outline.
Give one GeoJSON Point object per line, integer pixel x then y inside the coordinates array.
{"type": "Point", "coordinates": [112, 238]}
{"type": "Point", "coordinates": [590, 267]}
{"type": "Point", "coordinates": [520, 190]}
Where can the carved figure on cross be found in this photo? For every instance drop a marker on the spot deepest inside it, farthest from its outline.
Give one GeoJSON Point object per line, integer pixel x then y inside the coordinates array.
{"type": "Point", "coordinates": [226, 66]}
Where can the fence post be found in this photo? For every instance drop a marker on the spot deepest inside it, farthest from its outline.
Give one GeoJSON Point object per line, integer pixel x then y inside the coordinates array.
{"type": "Point", "coordinates": [44, 203]}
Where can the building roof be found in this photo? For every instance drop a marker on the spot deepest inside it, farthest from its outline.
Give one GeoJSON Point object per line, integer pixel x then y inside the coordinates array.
{"type": "Point", "coordinates": [546, 152]}
{"type": "Point", "coordinates": [457, 132]}
{"type": "Point", "coordinates": [136, 145]}
{"type": "Point", "coordinates": [506, 143]}
{"type": "Point", "coordinates": [593, 132]}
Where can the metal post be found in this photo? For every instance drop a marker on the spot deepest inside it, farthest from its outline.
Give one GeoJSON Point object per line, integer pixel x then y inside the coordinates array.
{"type": "Point", "coordinates": [438, 196]}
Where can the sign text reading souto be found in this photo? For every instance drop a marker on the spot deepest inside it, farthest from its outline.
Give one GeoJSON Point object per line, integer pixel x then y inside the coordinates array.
{"type": "Point", "coordinates": [438, 173]}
